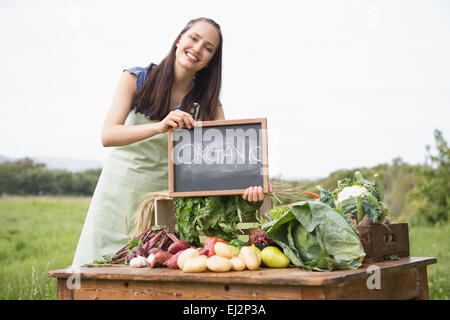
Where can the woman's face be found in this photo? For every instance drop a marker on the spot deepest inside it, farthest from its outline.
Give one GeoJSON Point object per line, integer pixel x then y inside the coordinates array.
{"type": "Point", "coordinates": [196, 47]}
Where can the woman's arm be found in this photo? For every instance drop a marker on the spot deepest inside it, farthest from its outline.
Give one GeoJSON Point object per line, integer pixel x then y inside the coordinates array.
{"type": "Point", "coordinates": [115, 133]}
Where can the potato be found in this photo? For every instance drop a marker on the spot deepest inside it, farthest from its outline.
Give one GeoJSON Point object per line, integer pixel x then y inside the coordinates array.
{"type": "Point", "coordinates": [195, 264]}
{"type": "Point", "coordinates": [250, 257]}
{"type": "Point", "coordinates": [237, 264]}
{"type": "Point", "coordinates": [224, 250]}
{"type": "Point", "coordinates": [218, 264]}
{"type": "Point", "coordinates": [185, 255]}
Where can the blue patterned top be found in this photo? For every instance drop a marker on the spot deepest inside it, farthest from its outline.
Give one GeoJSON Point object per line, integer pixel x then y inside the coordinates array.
{"type": "Point", "coordinates": [141, 74]}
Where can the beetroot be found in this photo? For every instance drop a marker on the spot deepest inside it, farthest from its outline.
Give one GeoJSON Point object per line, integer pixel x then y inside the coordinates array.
{"type": "Point", "coordinates": [178, 246]}
{"type": "Point", "coordinates": [136, 251]}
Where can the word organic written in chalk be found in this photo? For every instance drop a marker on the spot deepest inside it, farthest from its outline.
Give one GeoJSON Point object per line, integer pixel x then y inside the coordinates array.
{"type": "Point", "coordinates": [214, 146]}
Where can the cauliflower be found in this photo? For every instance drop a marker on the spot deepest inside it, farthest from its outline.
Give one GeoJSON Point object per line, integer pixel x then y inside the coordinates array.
{"type": "Point", "coordinates": [356, 199]}
{"type": "Point", "coordinates": [353, 191]}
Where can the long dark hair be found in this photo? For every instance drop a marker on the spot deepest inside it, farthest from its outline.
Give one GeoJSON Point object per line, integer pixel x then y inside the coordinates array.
{"type": "Point", "coordinates": [154, 97]}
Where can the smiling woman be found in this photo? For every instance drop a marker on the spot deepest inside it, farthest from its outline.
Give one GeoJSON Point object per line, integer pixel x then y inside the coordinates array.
{"type": "Point", "coordinates": [192, 72]}
{"type": "Point", "coordinates": [147, 103]}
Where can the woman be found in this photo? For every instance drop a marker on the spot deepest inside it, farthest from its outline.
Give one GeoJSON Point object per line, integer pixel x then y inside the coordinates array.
{"type": "Point", "coordinates": [147, 102]}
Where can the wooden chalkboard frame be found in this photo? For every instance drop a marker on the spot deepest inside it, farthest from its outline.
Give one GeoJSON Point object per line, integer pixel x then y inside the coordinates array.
{"type": "Point", "coordinates": [264, 149]}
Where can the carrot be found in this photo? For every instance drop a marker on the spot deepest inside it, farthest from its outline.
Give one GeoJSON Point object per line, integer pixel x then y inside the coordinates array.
{"type": "Point", "coordinates": [315, 195]}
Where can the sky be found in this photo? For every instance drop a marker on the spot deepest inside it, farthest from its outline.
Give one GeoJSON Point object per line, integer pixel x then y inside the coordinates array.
{"type": "Point", "coordinates": [343, 84]}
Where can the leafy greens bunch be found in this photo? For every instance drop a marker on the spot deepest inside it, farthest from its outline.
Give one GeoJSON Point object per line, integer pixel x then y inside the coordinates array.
{"type": "Point", "coordinates": [217, 216]}
{"type": "Point", "coordinates": [315, 236]}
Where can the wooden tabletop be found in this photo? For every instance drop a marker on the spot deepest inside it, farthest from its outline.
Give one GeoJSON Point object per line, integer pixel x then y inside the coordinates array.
{"type": "Point", "coordinates": [278, 276]}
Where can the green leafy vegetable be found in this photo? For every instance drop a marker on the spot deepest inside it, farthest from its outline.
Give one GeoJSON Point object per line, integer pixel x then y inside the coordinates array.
{"type": "Point", "coordinates": [315, 236]}
{"type": "Point", "coordinates": [273, 214]}
{"type": "Point", "coordinates": [238, 243]}
{"type": "Point", "coordinates": [216, 216]}
{"type": "Point", "coordinates": [306, 243]}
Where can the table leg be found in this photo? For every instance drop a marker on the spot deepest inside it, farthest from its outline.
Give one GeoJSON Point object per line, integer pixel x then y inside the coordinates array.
{"type": "Point", "coordinates": [423, 283]}
{"type": "Point", "coordinates": [64, 293]}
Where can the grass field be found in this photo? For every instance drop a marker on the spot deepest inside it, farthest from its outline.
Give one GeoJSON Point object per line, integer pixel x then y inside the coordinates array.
{"type": "Point", "coordinates": [38, 234]}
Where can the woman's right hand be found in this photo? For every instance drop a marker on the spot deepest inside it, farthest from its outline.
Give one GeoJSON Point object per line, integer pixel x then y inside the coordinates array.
{"type": "Point", "coordinates": [176, 119]}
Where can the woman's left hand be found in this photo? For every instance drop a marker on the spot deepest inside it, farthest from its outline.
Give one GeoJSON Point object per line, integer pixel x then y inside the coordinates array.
{"type": "Point", "coordinates": [254, 194]}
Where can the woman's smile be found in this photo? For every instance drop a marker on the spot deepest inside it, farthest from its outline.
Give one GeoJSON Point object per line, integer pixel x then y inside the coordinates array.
{"type": "Point", "coordinates": [192, 57]}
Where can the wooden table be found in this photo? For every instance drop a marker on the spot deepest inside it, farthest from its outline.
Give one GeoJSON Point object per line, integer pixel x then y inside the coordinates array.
{"type": "Point", "coordinates": [405, 278]}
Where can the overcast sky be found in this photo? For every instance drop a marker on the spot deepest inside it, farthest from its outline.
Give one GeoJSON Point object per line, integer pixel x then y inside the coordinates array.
{"type": "Point", "coordinates": [342, 83]}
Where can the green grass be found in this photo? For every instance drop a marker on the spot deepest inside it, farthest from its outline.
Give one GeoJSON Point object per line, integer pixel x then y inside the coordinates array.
{"type": "Point", "coordinates": [433, 242]}
{"type": "Point", "coordinates": [39, 234]}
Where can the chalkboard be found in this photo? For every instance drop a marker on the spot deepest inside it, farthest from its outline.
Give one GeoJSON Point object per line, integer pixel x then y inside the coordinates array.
{"type": "Point", "coordinates": [222, 157]}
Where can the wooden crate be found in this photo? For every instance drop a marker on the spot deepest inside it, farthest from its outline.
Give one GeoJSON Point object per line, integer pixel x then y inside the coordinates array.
{"type": "Point", "coordinates": [383, 242]}
{"type": "Point", "coordinates": [164, 215]}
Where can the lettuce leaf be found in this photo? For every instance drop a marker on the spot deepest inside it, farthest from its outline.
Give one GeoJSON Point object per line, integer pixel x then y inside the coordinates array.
{"type": "Point", "coordinates": [315, 236]}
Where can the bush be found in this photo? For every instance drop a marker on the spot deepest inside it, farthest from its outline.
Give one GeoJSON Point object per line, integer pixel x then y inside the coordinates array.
{"type": "Point", "coordinates": [435, 183]}
{"type": "Point", "coordinates": [25, 177]}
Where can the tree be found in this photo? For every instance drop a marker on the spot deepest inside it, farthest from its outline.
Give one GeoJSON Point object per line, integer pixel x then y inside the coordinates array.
{"type": "Point", "coordinates": [435, 184]}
